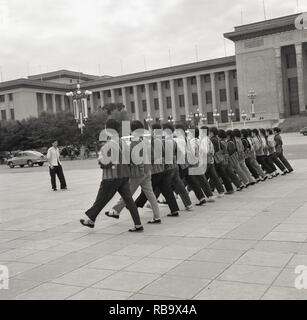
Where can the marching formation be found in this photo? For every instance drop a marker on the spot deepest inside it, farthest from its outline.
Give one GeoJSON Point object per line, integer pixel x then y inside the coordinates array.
{"type": "Point", "coordinates": [209, 162]}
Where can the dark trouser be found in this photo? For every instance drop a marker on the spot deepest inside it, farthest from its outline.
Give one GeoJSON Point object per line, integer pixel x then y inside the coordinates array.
{"type": "Point", "coordinates": [273, 159]}
{"type": "Point", "coordinates": [233, 176]}
{"type": "Point", "coordinates": [221, 171]}
{"type": "Point", "coordinates": [161, 182]}
{"type": "Point", "coordinates": [265, 164]}
{"type": "Point", "coordinates": [251, 168]}
{"type": "Point", "coordinates": [179, 187]}
{"type": "Point", "coordinates": [107, 190]}
{"type": "Point", "coordinates": [284, 161]}
{"type": "Point", "coordinates": [57, 171]}
{"type": "Point", "coordinates": [214, 178]}
{"type": "Point", "coordinates": [205, 186]}
{"type": "Point", "coordinates": [193, 183]}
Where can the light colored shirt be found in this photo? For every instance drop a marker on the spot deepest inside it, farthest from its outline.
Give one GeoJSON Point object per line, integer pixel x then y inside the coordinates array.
{"type": "Point", "coordinates": [53, 157]}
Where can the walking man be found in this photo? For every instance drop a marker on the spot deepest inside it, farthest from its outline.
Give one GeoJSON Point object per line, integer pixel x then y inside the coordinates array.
{"type": "Point", "coordinates": [55, 167]}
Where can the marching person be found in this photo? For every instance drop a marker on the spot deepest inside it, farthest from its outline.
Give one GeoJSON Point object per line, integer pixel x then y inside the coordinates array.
{"type": "Point", "coordinates": [272, 152]}
{"type": "Point", "coordinates": [141, 177]}
{"type": "Point", "coordinates": [280, 150]}
{"type": "Point", "coordinates": [196, 150]}
{"type": "Point", "coordinates": [228, 147]}
{"type": "Point", "coordinates": [266, 149]}
{"type": "Point", "coordinates": [211, 174]}
{"type": "Point", "coordinates": [55, 167]}
{"type": "Point", "coordinates": [115, 179]}
{"type": "Point", "coordinates": [219, 158]}
{"type": "Point", "coordinates": [253, 160]}
{"type": "Point", "coordinates": [261, 157]}
{"type": "Point", "coordinates": [162, 175]}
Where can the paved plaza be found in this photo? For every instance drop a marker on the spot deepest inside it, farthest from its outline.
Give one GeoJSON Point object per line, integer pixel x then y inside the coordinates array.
{"type": "Point", "coordinates": [244, 246]}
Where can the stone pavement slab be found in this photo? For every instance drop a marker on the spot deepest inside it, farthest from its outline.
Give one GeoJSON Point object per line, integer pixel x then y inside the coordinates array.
{"type": "Point", "coordinates": [244, 246]}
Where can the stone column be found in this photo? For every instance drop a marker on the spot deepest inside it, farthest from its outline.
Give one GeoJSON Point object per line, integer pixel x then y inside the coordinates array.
{"type": "Point", "coordinates": [300, 76]}
{"type": "Point", "coordinates": [161, 101]}
{"type": "Point", "coordinates": [113, 95]}
{"type": "Point", "coordinates": [136, 102]}
{"type": "Point", "coordinates": [45, 102]}
{"type": "Point", "coordinates": [228, 95]}
{"type": "Point", "coordinates": [148, 99]}
{"type": "Point", "coordinates": [63, 103]}
{"type": "Point", "coordinates": [54, 104]}
{"type": "Point", "coordinates": [279, 82]}
{"type": "Point", "coordinates": [125, 100]}
{"type": "Point", "coordinates": [213, 89]}
{"type": "Point", "coordinates": [7, 106]}
{"type": "Point", "coordinates": [92, 103]}
{"type": "Point", "coordinates": [102, 101]}
{"type": "Point", "coordinates": [200, 95]}
{"type": "Point", "coordinates": [186, 97]}
{"type": "Point", "coordinates": [173, 98]}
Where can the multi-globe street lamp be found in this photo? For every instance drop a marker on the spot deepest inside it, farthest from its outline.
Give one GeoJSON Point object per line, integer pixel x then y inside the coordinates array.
{"type": "Point", "coordinates": [149, 119]}
{"type": "Point", "coordinates": [79, 99]}
{"type": "Point", "coordinates": [252, 96]}
{"type": "Point", "coordinates": [170, 119]}
{"type": "Point", "coordinates": [231, 116]}
{"type": "Point", "coordinates": [244, 117]}
{"type": "Point", "coordinates": [216, 116]}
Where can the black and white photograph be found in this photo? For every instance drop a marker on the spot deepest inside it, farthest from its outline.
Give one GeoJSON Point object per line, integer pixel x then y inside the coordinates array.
{"type": "Point", "coordinates": [153, 154]}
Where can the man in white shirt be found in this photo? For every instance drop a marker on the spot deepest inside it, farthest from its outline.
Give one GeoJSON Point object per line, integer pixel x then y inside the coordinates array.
{"type": "Point", "coordinates": [55, 167]}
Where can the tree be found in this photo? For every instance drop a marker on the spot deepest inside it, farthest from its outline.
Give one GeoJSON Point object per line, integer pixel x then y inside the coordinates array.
{"type": "Point", "coordinates": [36, 133]}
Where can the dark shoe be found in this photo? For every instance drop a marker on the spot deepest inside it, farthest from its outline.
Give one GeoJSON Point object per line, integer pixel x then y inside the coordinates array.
{"type": "Point", "coordinates": [112, 215]}
{"type": "Point", "coordinates": [284, 173]}
{"type": "Point", "coordinates": [172, 215]}
{"type": "Point", "coordinates": [155, 222]}
{"type": "Point", "coordinates": [135, 230]}
{"type": "Point", "coordinates": [87, 223]}
{"type": "Point", "coordinates": [64, 189]}
{"type": "Point", "coordinates": [252, 183]}
{"type": "Point", "coordinates": [228, 193]}
{"type": "Point", "coordinates": [201, 203]}
{"type": "Point", "coordinates": [241, 188]}
{"type": "Point", "coordinates": [290, 171]}
{"type": "Point", "coordinates": [55, 190]}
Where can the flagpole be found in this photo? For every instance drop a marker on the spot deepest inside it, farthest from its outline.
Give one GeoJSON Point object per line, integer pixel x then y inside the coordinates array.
{"type": "Point", "coordinates": [264, 10]}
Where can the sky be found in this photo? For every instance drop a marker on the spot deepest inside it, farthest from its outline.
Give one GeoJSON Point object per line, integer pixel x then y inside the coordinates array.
{"type": "Point", "coordinates": [114, 37]}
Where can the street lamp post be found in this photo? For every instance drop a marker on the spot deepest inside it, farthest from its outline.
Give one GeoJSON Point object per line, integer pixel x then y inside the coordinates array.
{"type": "Point", "coordinates": [170, 119]}
{"type": "Point", "coordinates": [252, 96]}
{"type": "Point", "coordinates": [189, 120]}
{"type": "Point", "coordinates": [231, 116]}
{"type": "Point", "coordinates": [203, 119]}
{"type": "Point", "coordinates": [216, 116]}
{"type": "Point", "coordinates": [244, 117]}
{"type": "Point", "coordinates": [149, 119]}
{"type": "Point", "coordinates": [79, 99]}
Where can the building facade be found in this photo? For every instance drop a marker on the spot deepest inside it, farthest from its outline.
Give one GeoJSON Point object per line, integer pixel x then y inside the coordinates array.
{"type": "Point", "coordinates": [270, 58]}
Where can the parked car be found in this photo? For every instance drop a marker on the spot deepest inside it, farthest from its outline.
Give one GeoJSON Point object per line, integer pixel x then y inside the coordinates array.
{"type": "Point", "coordinates": [26, 158]}
{"type": "Point", "coordinates": [304, 131]}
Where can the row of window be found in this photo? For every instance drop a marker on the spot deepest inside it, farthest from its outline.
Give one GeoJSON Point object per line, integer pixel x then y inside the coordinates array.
{"type": "Point", "coordinates": [223, 98]}
{"type": "Point", "coordinates": [166, 84]}
{"type": "Point", "coordinates": [4, 115]}
{"type": "Point", "coordinates": [2, 97]}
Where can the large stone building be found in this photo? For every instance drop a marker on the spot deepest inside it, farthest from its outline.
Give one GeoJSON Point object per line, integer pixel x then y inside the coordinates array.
{"type": "Point", "coordinates": [270, 58]}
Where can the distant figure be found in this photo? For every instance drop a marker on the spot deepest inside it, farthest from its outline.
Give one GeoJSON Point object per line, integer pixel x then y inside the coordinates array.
{"type": "Point", "coordinates": [55, 167]}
